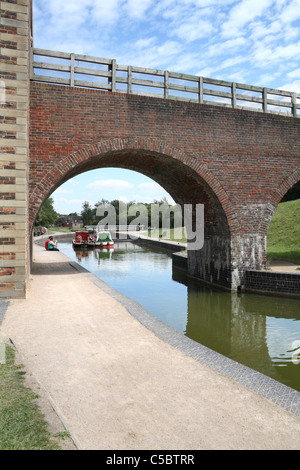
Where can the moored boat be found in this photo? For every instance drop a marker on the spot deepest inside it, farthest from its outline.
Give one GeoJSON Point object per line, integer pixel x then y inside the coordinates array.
{"type": "Point", "coordinates": [103, 239]}
{"type": "Point", "coordinates": [93, 238]}
{"type": "Point", "coordinates": [82, 238]}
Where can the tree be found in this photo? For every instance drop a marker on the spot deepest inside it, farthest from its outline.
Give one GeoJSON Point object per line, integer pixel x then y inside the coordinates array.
{"type": "Point", "coordinates": [87, 213]}
{"type": "Point", "coordinates": [47, 215]}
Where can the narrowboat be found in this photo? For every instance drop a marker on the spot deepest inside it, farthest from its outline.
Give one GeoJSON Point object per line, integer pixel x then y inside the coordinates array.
{"type": "Point", "coordinates": [94, 238]}
{"type": "Point", "coordinates": [82, 238]}
{"type": "Point", "coordinates": [104, 240]}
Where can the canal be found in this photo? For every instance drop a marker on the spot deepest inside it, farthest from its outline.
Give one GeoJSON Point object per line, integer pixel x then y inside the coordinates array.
{"type": "Point", "coordinates": [261, 332]}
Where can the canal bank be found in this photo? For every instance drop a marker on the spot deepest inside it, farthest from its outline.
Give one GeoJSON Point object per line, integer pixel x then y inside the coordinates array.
{"type": "Point", "coordinates": [118, 385]}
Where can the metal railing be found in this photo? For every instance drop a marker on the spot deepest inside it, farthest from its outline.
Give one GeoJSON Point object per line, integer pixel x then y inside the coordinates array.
{"type": "Point", "coordinates": [105, 74]}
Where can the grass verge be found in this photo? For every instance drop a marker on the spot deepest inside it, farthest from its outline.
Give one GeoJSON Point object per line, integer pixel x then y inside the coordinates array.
{"type": "Point", "coordinates": [22, 424]}
{"type": "Point", "coordinates": [283, 242]}
{"type": "Point", "coordinates": [62, 230]}
{"type": "Point", "coordinates": [178, 235]}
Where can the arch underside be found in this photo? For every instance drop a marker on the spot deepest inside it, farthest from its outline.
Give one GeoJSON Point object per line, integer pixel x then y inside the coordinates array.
{"type": "Point", "coordinates": [183, 183]}
{"type": "Point", "coordinates": [185, 186]}
{"type": "Point", "coordinates": [226, 254]}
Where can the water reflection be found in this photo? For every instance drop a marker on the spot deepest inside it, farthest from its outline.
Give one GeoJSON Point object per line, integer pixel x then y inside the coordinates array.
{"type": "Point", "coordinates": [262, 332]}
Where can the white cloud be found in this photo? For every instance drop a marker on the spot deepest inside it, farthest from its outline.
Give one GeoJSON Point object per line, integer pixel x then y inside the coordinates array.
{"type": "Point", "coordinates": [238, 77]}
{"type": "Point", "coordinates": [225, 47]}
{"type": "Point", "coordinates": [66, 205]}
{"type": "Point", "coordinates": [291, 12]}
{"type": "Point", "coordinates": [237, 60]}
{"type": "Point", "coordinates": [259, 29]}
{"type": "Point", "coordinates": [267, 55]}
{"type": "Point", "coordinates": [105, 12]}
{"type": "Point", "coordinates": [62, 190]}
{"type": "Point", "coordinates": [152, 187]}
{"type": "Point", "coordinates": [150, 198]}
{"type": "Point", "coordinates": [185, 36]}
{"type": "Point", "coordinates": [138, 8]}
{"type": "Point", "coordinates": [144, 43]}
{"type": "Point", "coordinates": [195, 28]}
{"type": "Point", "coordinates": [109, 184]}
{"type": "Point", "coordinates": [294, 86]}
{"type": "Point", "coordinates": [242, 14]}
{"type": "Point", "coordinates": [157, 55]}
{"type": "Point", "coordinates": [294, 74]}
{"type": "Point", "coordinates": [150, 191]}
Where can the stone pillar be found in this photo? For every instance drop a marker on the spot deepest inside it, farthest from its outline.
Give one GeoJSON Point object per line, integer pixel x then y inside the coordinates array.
{"type": "Point", "coordinates": [15, 37]}
{"type": "Point", "coordinates": [223, 261]}
{"type": "Point", "coordinates": [212, 263]}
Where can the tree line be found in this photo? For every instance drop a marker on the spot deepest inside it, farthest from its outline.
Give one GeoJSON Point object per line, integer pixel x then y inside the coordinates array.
{"type": "Point", "coordinates": [47, 215]}
{"type": "Point", "coordinates": [122, 210]}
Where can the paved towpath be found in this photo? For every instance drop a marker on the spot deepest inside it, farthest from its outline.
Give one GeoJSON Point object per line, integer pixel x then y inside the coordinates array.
{"type": "Point", "coordinates": [284, 267]}
{"type": "Point", "coordinates": [117, 385]}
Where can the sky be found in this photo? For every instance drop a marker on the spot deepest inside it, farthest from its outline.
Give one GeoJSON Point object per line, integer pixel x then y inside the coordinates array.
{"type": "Point", "coordinates": [256, 42]}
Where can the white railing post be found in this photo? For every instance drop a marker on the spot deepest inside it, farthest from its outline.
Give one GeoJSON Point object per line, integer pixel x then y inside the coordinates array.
{"type": "Point", "coordinates": [166, 85]}
{"type": "Point", "coordinates": [113, 75]}
{"type": "Point", "coordinates": [129, 80]}
{"type": "Point", "coordinates": [233, 94]}
{"type": "Point", "coordinates": [294, 103]}
{"type": "Point", "coordinates": [200, 90]}
{"type": "Point", "coordinates": [72, 69]}
{"type": "Point", "coordinates": [265, 102]}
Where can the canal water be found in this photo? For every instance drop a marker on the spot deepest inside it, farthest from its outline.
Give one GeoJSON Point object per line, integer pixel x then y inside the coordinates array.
{"type": "Point", "coordinates": [261, 332]}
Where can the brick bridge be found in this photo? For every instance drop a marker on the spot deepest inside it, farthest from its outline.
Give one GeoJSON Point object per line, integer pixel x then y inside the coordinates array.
{"type": "Point", "coordinates": [237, 161]}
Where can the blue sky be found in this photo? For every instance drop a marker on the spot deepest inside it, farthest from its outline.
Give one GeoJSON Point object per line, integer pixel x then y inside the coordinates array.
{"type": "Point", "coordinates": [248, 41]}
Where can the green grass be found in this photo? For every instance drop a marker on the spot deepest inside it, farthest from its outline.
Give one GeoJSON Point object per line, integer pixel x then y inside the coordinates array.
{"type": "Point", "coordinates": [283, 241]}
{"type": "Point", "coordinates": [177, 235]}
{"type": "Point", "coordinates": [61, 229]}
{"type": "Point", "coordinates": [22, 424]}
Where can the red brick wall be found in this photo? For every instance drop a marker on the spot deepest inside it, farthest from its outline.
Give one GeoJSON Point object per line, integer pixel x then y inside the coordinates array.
{"type": "Point", "coordinates": [239, 163]}
{"type": "Point", "coordinates": [14, 118]}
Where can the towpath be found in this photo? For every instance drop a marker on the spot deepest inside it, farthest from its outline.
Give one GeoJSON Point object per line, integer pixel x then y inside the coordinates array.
{"type": "Point", "coordinates": [115, 384]}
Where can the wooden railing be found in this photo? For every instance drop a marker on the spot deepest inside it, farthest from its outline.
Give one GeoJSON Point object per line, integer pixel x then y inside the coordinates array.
{"type": "Point", "coordinates": [106, 74]}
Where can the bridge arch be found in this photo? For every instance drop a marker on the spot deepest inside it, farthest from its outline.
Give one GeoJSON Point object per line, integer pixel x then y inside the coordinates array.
{"type": "Point", "coordinates": [287, 183]}
{"type": "Point", "coordinates": [275, 197]}
{"type": "Point", "coordinates": [187, 181]}
{"type": "Point", "coordinates": [166, 165]}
